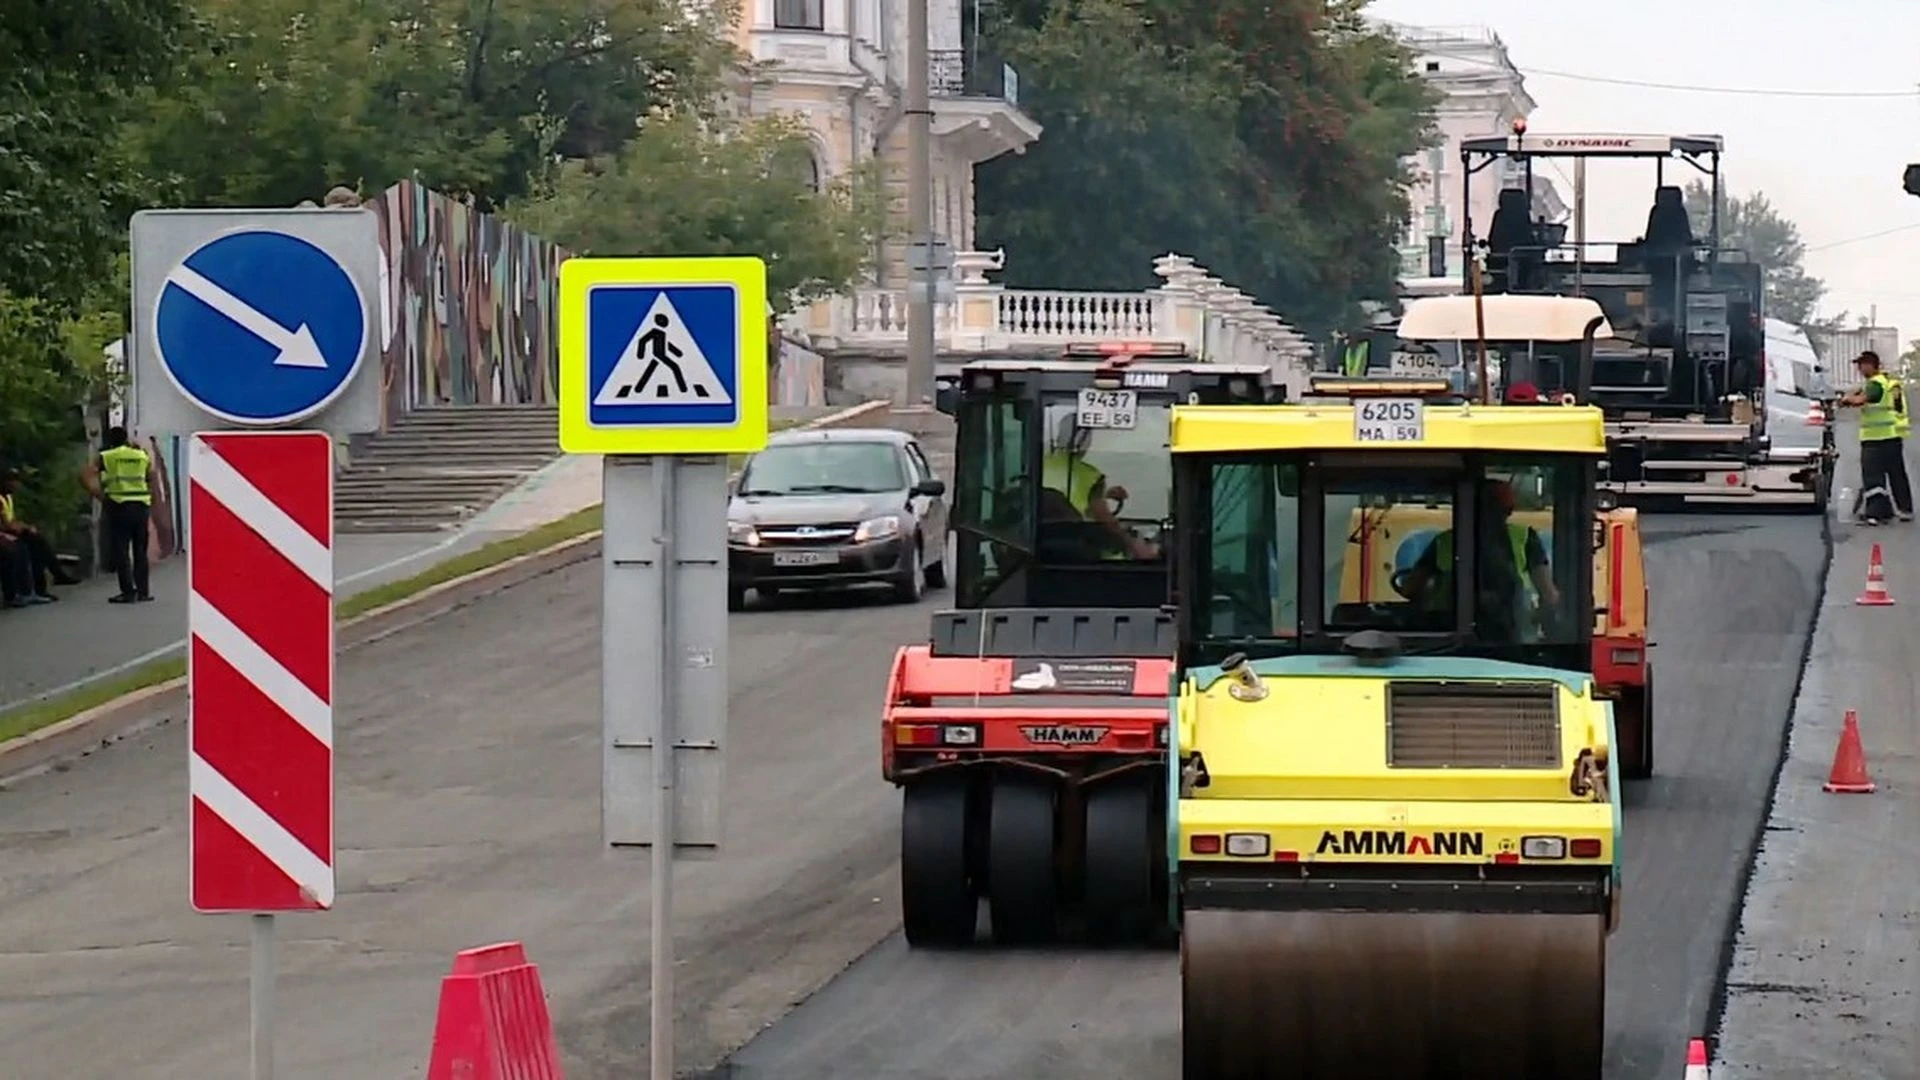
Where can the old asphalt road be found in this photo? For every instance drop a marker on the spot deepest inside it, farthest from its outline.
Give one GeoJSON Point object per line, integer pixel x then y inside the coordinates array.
{"type": "Point", "coordinates": [1733, 600]}
{"type": "Point", "coordinates": [469, 779]}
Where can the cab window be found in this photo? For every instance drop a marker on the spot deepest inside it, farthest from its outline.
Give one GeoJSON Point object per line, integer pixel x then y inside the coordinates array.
{"type": "Point", "coordinates": [1105, 491]}
{"type": "Point", "coordinates": [1387, 558]}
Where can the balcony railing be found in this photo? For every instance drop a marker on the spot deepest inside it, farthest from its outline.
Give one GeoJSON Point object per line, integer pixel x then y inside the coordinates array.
{"type": "Point", "coordinates": [1191, 307]}
{"type": "Point", "coordinates": [950, 76]}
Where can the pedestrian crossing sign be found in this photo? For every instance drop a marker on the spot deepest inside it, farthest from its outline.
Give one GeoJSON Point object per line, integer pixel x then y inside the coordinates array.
{"type": "Point", "coordinates": [663, 356]}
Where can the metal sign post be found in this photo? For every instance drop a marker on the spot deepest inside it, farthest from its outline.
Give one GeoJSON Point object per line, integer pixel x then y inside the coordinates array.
{"type": "Point", "coordinates": [663, 370]}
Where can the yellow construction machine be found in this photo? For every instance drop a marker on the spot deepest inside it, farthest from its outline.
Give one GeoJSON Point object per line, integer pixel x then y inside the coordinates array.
{"type": "Point", "coordinates": [1394, 832]}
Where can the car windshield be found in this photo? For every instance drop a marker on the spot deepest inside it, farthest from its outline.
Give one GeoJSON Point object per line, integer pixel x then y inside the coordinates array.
{"type": "Point", "coordinates": [823, 468]}
{"type": "Point", "coordinates": [1385, 556]}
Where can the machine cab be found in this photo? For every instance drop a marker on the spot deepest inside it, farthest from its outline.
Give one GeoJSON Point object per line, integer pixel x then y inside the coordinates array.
{"type": "Point", "coordinates": [1064, 487]}
{"type": "Point", "coordinates": [1537, 347]}
{"type": "Point", "coordinates": [1318, 523]}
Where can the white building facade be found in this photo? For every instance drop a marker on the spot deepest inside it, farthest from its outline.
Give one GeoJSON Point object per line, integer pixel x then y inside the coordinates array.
{"type": "Point", "coordinates": [1483, 94]}
{"type": "Point", "coordinates": [841, 64]}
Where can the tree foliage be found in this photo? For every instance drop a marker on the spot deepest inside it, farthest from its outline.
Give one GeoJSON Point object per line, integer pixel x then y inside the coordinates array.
{"type": "Point", "coordinates": [472, 97]}
{"type": "Point", "coordinates": [1266, 139]}
{"type": "Point", "coordinates": [717, 185]}
{"type": "Point", "coordinates": [1751, 224]}
{"type": "Point", "coordinates": [67, 69]}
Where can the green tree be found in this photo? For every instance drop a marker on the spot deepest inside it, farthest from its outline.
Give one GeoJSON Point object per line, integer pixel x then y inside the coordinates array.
{"type": "Point", "coordinates": [67, 68]}
{"type": "Point", "coordinates": [1752, 224]}
{"type": "Point", "coordinates": [1266, 139]}
{"type": "Point", "coordinates": [711, 185]}
{"type": "Point", "coordinates": [471, 96]}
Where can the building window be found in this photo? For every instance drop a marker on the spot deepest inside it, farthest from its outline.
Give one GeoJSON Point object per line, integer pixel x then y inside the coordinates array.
{"type": "Point", "coordinates": [816, 177]}
{"type": "Point", "coordinates": [799, 14]}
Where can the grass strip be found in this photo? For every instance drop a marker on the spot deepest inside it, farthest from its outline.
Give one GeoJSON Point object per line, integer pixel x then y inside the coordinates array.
{"type": "Point", "coordinates": [30, 718]}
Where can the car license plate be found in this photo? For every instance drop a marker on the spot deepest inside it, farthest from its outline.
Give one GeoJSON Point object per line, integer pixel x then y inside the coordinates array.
{"type": "Point", "coordinates": [1389, 420]}
{"type": "Point", "coordinates": [805, 558]}
{"type": "Point", "coordinates": [1118, 409]}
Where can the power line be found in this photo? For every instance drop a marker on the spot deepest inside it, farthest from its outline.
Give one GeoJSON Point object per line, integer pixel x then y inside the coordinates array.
{"type": "Point", "coordinates": [1741, 91]}
{"type": "Point", "coordinates": [1865, 238]}
{"type": "Point", "coordinates": [1685, 88]}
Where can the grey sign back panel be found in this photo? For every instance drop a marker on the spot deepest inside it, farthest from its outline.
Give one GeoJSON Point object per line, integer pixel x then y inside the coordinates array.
{"type": "Point", "coordinates": [636, 580]}
{"type": "Point", "coordinates": [162, 238]}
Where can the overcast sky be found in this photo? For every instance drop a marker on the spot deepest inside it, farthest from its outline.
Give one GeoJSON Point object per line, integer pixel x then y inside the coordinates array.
{"type": "Point", "coordinates": [1831, 164]}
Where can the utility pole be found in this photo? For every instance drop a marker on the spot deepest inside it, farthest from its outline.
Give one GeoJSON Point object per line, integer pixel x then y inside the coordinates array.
{"type": "Point", "coordinates": [919, 210]}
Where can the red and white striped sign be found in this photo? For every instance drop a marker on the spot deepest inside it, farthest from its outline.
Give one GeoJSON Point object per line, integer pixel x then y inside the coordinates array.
{"type": "Point", "coordinates": [260, 670]}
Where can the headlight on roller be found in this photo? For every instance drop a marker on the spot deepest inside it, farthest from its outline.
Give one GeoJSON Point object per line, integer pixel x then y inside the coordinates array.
{"type": "Point", "coordinates": [877, 528]}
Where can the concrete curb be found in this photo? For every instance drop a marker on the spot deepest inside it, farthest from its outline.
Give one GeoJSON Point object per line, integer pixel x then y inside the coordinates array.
{"type": "Point", "coordinates": [150, 706]}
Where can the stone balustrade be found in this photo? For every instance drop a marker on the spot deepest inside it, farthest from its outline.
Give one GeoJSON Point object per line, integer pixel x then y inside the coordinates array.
{"type": "Point", "coordinates": [1190, 306]}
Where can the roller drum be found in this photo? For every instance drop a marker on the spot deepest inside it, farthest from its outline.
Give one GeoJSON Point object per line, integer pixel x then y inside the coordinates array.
{"type": "Point", "coordinates": [1344, 995]}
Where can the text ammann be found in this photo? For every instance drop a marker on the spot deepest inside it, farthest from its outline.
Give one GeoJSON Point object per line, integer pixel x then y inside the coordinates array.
{"type": "Point", "coordinates": [1393, 842]}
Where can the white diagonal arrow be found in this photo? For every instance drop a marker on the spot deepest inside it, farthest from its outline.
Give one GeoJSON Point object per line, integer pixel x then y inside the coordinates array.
{"type": "Point", "coordinates": [297, 347]}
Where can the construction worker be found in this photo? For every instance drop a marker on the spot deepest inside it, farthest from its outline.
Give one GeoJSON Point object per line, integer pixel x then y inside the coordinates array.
{"type": "Point", "coordinates": [123, 479]}
{"type": "Point", "coordinates": [1884, 488]}
{"type": "Point", "coordinates": [1354, 363]}
{"type": "Point", "coordinates": [1515, 573]}
{"type": "Point", "coordinates": [1080, 486]}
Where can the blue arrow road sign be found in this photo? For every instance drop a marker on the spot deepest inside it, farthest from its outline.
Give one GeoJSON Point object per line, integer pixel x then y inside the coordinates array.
{"type": "Point", "coordinates": [260, 327]}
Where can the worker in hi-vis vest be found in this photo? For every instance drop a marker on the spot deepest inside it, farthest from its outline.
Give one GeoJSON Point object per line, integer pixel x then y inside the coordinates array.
{"type": "Point", "coordinates": [1069, 482]}
{"type": "Point", "coordinates": [1354, 363]}
{"type": "Point", "coordinates": [123, 479]}
{"type": "Point", "coordinates": [1515, 574]}
{"type": "Point", "coordinates": [1885, 490]}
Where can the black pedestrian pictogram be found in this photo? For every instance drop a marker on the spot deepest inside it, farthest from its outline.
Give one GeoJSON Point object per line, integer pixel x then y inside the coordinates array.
{"type": "Point", "coordinates": [660, 353]}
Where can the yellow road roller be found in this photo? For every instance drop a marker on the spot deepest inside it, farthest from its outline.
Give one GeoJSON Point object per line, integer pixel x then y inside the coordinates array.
{"type": "Point", "coordinates": [1394, 832]}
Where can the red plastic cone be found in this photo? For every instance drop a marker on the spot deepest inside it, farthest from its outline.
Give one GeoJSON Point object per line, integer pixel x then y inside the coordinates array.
{"type": "Point", "coordinates": [1849, 773]}
{"type": "Point", "coordinates": [1816, 416]}
{"type": "Point", "coordinates": [1876, 593]}
{"type": "Point", "coordinates": [1697, 1060]}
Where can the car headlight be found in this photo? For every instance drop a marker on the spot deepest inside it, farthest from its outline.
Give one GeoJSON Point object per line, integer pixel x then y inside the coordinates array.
{"type": "Point", "coordinates": [742, 533]}
{"type": "Point", "coordinates": [877, 528]}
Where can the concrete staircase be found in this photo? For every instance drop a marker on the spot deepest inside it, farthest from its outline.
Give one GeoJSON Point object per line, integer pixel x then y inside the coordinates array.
{"type": "Point", "coordinates": [435, 468]}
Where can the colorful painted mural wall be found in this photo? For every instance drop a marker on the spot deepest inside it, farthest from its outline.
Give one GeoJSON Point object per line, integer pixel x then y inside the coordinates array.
{"type": "Point", "coordinates": [467, 305]}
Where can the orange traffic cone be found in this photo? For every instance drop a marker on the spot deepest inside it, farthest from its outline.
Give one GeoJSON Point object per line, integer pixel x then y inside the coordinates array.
{"type": "Point", "coordinates": [1697, 1060]}
{"type": "Point", "coordinates": [1876, 593]}
{"type": "Point", "coordinates": [1849, 773]}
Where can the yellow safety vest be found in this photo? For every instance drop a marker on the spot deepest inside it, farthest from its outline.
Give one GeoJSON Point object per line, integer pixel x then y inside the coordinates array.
{"type": "Point", "coordinates": [6, 509]}
{"type": "Point", "coordinates": [124, 475]}
{"type": "Point", "coordinates": [1443, 559]}
{"type": "Point", "coordinates": [1902, 420]}
{"type": "Point", "coordinates": [1879, 420]}
{"type": "Point", "coordinates": [1355, 364]}
{"type": "Point", "coordinates": [1071, 477]}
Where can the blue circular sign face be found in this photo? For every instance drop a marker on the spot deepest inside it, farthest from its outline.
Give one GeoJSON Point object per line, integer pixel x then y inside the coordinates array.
{"type": "Point", "coordinates": [260, 328]}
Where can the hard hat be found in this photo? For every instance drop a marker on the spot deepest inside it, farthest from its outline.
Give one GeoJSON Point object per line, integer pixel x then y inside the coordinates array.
{"type": "Point", "coordinates": [1523, 393]}
{"type": "Point", "coordinates": [1068, 435]}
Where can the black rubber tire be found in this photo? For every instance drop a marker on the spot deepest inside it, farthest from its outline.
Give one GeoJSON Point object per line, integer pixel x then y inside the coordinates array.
{"type": "Point", "coordinates": [912, 585]}
{"type": "Point", "coordinates": [1022, 897]}
{"type": "Point", "coordinates": [1635, 707]}
{"type": "Point", "coordinates": [938, 908]}
{"type": "Point", "coordinates": [1122, 849]}
{"type": "Point", "coordinates": [736, 598]}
